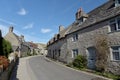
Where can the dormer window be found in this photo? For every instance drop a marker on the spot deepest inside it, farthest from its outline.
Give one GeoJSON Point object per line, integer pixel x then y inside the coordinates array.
{"type": "Point", "coordinates": [58, 36]}
{"type": "Point", "coordinates": [54, 39]}
{"type": "Point", "coordinates": [117, 3]}
{"type": "Point", "coordinates": [81, 16]}
{"type": "Point", "coordinates": [115, 24]}
{"type": "Point", "coordinates": [75, 37]}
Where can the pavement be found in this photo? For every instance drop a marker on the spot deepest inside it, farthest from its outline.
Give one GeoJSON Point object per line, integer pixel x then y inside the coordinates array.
{"type": "Point", "coordinates": [22, 70]}
{"type": "Point", "coordinates": [41, 68]}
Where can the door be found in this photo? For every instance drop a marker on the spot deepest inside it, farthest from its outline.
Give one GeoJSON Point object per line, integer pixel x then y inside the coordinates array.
{"type": "Point", "coordinates": [91, 57]}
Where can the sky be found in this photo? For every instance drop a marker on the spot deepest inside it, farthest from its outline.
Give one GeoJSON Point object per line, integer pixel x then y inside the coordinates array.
{"type": "Point", "coordinates": [39, 20]}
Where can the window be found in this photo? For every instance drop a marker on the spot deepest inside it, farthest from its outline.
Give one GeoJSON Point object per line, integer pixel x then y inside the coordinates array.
{"type": "Point", "coordinates": [117, 3]}
{"type": "Point", "coordinates": [58, 36]}
{"type": "Point", "coordinates": [115, 53]}
{"type": "Point", "coordinates": [75, 37]}
{"type": "Point", "coordinates": [59, 51]}
{"type": "Point", "coordinates": [118, 22]}
{"type": "Point", "coordinates": [74, 53]}
{"type": "Point", "coordinates": [115, 24]}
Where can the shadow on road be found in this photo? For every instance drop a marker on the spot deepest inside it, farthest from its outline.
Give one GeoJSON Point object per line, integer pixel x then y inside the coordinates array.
{"type": "Point", "coordinates": [14, 72]}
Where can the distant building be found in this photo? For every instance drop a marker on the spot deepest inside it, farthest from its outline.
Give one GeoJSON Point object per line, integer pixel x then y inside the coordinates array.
{"type": "Point", "coordinates": [79, 37]}
{"type": "Point", "coordinates": [42, 48]}
{"type": "Point", "coordinates": [17, 42]}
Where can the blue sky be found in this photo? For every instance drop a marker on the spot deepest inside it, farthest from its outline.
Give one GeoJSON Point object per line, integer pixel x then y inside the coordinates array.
{"type": "Point", "coordinates": [38, 20]}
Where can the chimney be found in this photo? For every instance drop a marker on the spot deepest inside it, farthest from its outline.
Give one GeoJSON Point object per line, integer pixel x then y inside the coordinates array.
{"type": "Point", "coordinates": [61, 28]}
{"type": "Point", "coordinates": [22, 38]}
{"type": "Point", "coordinates": [81, 14]}
{"type": "Point", "coordinates": [11, 29]}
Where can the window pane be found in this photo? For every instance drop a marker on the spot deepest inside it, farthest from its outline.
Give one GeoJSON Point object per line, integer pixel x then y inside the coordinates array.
{"type": "Point", "coordinates": [112, 21]}
{"type": "Point", "coordinates": [116, 56]}
{"type": "Point", "coordinates": [75, 37]}
{"type": "Point", "coordinates": [115, 48]}
{"type": "Point", "coordinates": [113, 27]}
{"type": "Point", "coordinates": [118, 1]}
{"type": "Point", "coordinates": [75, 53]}
{"type": "Point", "coordinates": [118, 23]}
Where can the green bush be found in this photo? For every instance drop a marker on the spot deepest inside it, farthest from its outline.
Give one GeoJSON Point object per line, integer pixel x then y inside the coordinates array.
{"type": "Point", "coordinates": [80, 62]}
{"type": "Point", "coordinates": [6, 47]}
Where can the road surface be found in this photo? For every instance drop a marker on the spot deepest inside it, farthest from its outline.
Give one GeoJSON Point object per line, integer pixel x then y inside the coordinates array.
{"type": "Point", "coordinates": [41, 68]}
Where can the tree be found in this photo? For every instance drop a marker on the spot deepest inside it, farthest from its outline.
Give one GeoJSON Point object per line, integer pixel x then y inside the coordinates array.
{"type": "Point", "coordinates": [6, 47]}
{"type": "Point", "coordinates": [102, 51]}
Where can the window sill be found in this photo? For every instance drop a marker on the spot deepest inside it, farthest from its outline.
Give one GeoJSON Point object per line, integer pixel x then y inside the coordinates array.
{"type": "Point", "coordinates": [115, 60]}
{"type": "Point", "coordinates": [113, 32]}
{"type": "Point", "coordinates": [75, 41]}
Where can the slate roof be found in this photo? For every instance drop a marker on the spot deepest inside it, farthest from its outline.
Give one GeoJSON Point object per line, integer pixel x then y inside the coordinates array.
{"type": "Point", "coordinates": [61, 34]}
{"type": "Point", "coordinates": [104, 12]}
{"type": "Point", "coordinates": [101, 13]}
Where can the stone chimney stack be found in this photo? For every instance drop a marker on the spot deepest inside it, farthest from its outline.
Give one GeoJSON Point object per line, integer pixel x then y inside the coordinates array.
{"type": "Point", "coordinates": [22, 38]}
{"type": "Point", "coordinates": [11, 29]}
{"type": "Point", "coordinates": [81, 14]}
{"type": "Point", "coordinates": [61, 28]}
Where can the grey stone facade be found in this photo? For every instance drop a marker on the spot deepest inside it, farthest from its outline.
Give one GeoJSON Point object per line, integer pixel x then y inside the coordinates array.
{"type": "Point", "coordinates": [17, 42]}
{"type": "Point", "coordinates": [86, 29]}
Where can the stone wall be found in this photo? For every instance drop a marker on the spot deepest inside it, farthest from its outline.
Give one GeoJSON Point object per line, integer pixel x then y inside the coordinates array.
{"type": "Point", "coordinates": [114, 66]}
{"type": "Point", "coordinates": [87, 38]}
{"type": "Point", "coordinates": [53, 50]}
{"type": "Point", "coordinates": [25, 50]}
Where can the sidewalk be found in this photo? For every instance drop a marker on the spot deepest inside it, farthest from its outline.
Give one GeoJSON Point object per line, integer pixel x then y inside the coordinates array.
{"type": "Point", "coordinates": [20, 71]}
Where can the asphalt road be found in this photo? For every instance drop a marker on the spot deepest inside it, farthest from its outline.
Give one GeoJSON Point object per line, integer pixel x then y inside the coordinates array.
{"type": "Point", "coordinates": [41, 68]}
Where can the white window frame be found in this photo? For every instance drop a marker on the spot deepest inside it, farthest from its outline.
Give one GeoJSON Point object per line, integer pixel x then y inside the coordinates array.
{"type": "Point", "coordinates": [117, 3]}
{"type": "Point", "coordinates": [74, 53]}
{"type": "Point", "coordinates": [75, 38]}
{"type": "Point", "coordinates": [116, 22]}
{"type": "Point", "coordinates": [111, 51]}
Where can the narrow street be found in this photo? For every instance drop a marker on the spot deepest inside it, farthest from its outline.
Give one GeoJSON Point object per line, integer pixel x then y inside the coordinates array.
{"type": "Point", "coordinates": [40, 68]}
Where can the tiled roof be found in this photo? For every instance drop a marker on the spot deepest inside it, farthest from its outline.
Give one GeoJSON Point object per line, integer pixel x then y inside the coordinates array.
{"type": "Point", "coordinates": [61, 33]}
{"type": "Point", "coordinates": [104, 12]}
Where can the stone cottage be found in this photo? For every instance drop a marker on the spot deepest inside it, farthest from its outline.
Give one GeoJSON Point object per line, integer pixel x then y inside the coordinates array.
{"type": "Point", "coordinates": [81, 37]}
{"type": "Point", "coordinates": [41, 48]}
{"type": "Point", "coordinates": [57, 46]}
{"type": "Point", "coordinates": [17, 42]}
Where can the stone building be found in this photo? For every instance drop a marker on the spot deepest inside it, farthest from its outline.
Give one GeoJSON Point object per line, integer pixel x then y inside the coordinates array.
{"type": "Point", "coordinates": [80, 38]}
{"type": "Point", "coordinates": [17, 42]}
{"type": "Point", "coordinates": [57, 46]}
{"type": "Point", "coordinates": [41, 48]}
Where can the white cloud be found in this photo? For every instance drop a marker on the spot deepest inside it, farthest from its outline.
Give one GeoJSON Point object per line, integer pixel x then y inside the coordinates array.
{"type": "Point", "coordinates": [22, 12]}
{"type": "Point", "coordinates": [45, 30]}
{"type": "Point", "coordinates": [8, 22]}
{"type": "Point", "coordinates": [29, 26]}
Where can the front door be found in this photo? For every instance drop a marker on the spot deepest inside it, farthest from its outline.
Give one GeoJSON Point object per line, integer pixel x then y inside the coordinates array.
{"type": "Point", "coordinates": [91, 57]}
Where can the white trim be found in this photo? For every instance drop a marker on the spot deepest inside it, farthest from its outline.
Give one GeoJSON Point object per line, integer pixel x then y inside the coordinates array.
{"type": "Point", "coordinates": [116, 23]}
{"type": "Point", "coordinates": [111, 53]}
{"type": "Point", "coordinates": [117, 3]}
{"type": "Point", "coordinates": [75, 54]}
{"type": "Point", "coordinates": [72, 53]}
